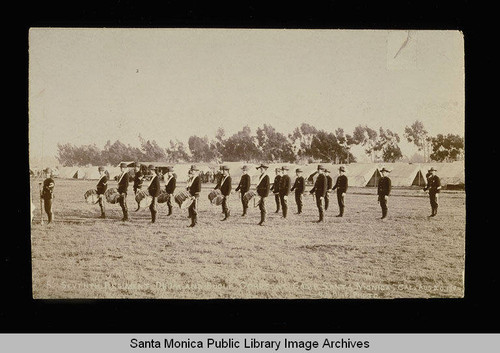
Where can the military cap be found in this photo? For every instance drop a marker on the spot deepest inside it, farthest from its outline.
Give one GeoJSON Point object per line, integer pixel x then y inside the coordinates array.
{"type": "Point", "coordinates": [170, 169]}
{"type": "Point", "coordinates": [150, 167]}
{"type": "Point", "coordinates": [298, 170]}
{"type": "Point", "coordinates": [385, 170]}
{"type": "Point", "coordinates": [245, 167]}
{"type": "Point", "coordinates": [277, 169]}
{"type": "Point", "coordinates": [433, 169]}
{"type": "Point", "coordinates": [224, 167]}
{"type": "Point", "coordinates": [342, 169]}
{"type": "Point", "coordinates": [101, 168]}
{"type": "Point", "coordinates": [262, 165]}
{"type": "Point", "coordinates": [48, 170]}
{"type": "Point", "coordinates": [327, 171]}
{"type": "Point", "coordinates": [194, 167]}
{"type": "Point", "coordinates": [285, 167]}
{"type": "Point", "coordinates": [123, 165]}
{"type": "Point", "coordinates": [320, 167]}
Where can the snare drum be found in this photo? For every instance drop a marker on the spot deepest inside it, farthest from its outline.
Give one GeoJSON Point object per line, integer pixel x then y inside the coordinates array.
{"type": "Point", "coordinates": [112, 195]}
{"type": "Point", "coordinates": [218, 200]}
{"type": "Point", "coordinates": [143, 198]}
{"type": "Point", "coordinates": [164, 197]}
{"type": "Point", "coordinates": [249, 195]}
{"type": "Point", "coordinates": [91, 196]}
{"type": "Point", "coordinates": [183, 199]}
{"type": "Point", "coordinates": [213, 194]}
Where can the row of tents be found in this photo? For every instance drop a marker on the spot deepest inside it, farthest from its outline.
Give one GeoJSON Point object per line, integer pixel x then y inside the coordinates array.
{"type": "Point", "coordinates": [359, 174]}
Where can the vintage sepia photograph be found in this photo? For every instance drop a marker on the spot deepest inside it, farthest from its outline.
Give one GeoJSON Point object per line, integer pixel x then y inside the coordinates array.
{"type": "Point", "coordinates": [205, 163]}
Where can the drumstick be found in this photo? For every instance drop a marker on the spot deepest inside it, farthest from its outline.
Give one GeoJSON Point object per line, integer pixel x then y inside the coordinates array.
{"type": "Point", "coordinates": [41, 203]}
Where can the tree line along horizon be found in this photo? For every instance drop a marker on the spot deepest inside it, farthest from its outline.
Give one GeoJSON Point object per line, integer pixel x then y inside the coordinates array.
{"type": "Point", "coordinates": [305, 143]}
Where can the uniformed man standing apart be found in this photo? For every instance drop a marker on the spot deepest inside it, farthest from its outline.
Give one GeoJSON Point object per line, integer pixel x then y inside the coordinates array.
{"type": "Point", "coordinates": [47, 194]}
{"type": "Point", "coordinates": [102, 186]}
{"type": "Point", "coordinates": [285, 184]}
{"type": "Point", "coordinates": [319, 190]}
{"type": "Point", "coordinates": [138, 180]}
{"type": "Point", "coordinates": [263, 187]}
{"type": "Point", "coordinates": [194, 189]}
{"type": "Point", "coordinates": [298, 186]}
{"type": "Point", "coordinates": [329, 185]}
{"type": "Point", "coordinates": [384, 190]}
{"type": "Point", "coordinates": [276, 188]}
{"type": "Point", "coordinates": [122, 190]}
{"type": "Point", "coordinates": [341, 186]}
{"type": "Point", "coordinates": [154, 192]}
{"type": "Point", "coordinates": [434, 187]}
{"type": "Point", "coordinates": [225, 188]}
{"type": "Point", "coordinates": [243, 187]}
{"type": "Point", "coordinates": [170, 184]}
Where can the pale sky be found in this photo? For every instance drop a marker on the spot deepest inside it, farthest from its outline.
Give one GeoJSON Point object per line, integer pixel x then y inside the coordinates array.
{"type": "Point", "coordinates": [92, 85]}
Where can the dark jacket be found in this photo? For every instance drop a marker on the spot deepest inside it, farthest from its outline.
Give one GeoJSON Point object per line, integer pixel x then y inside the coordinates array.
{"type": "Point", "coordinates": [123, 183]}
{"type": "Point", "coordinates": [298, 185]}
{"type": "Point", "coordinates": [48, 189]}
{"type": "Point", "coordinates": [195, 187]}
{"type": "Point", "coordinates": [319, 187]}
{"type": "Point", "coordinates": [285, 184]}
{"type": "Point", "coordinates": [225, 188]}
{"type": "Point", "coordinates": [244, 184]}
{"type": "Point", "coordinates": [329, 182]}
{"type": "Point", "coordinates": [276, 184]}
{"type": "Point", "coordinates": [433, 184]}
{"type": "Point", "coordinates": [154, 186]}
{"type": "Point", "coordinates": [384, 186]}
{"type": "Point", "coordinates": [170, 186]}
{"type": "Point", "coordinates": [341, 184]}
{"type": "Point", "coordinates": [264, 186]}
{"type": "Point", "coordinates": [102, 185]}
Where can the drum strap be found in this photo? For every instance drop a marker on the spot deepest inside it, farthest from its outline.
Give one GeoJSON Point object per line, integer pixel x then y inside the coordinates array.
{"type": "Point", "coordinates": [261, 178]}
{"type": "Point", "coordinates": [121, 177]}
{"type": "Point", "coordinates": [223, 181]}
{"type": "Point", "coordinates": [101, 179]}
{"type": "Point", "coordinates": [152, 179]}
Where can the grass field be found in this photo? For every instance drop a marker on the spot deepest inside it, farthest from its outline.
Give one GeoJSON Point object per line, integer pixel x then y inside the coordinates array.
{"type": "Point", "coordinates": [407, 255]}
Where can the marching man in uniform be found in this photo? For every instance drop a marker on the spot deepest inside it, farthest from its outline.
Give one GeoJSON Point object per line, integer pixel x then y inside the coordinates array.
{"type": "Point", "coordinates": [225, 188]}
{"type": "Point", "coordinates": [47, 194]}
{"type": "Point", "coordinates": [341, 186]}
{"type": "Point", "coordinates": [319, 190]}
{"type": "Point", "coordinates": [194, 188]}
{"type": "Point", "coordinates": [122, 190]}
{"type": "Point", "coordinates": [101, 187]}
{"type": "Point", "coordinates": [154, 192]}
{"type": "Point", "coordinates": [263, 187]}
{"type": "Point", "coordinates": [170, 184]}
{"type": "Point", "coordinates": [384, 190]}
{"type": "Point", "coordinates": [243, 187]}
{"type": "Point", "coordinates": [329, 185]}
{"type": "Point", "coordinates": [299, 187]}
{"type": "Point", "coordinates": [138, 180]}
{"type": "Point", "coordinates": [276, 188]}
{"type": "Point", "coordinates": [284, 190]}
{"type": "Point", "coordinates": [434, 187]}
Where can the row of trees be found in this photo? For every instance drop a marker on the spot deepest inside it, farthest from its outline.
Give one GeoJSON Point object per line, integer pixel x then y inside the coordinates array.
{"type": "Point", "coordinates": [305, 143]}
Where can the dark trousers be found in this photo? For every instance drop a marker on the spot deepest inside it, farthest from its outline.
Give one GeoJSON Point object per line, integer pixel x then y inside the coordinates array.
{"type": "Point", "coordinates": [193, 211]}
{"type": "Point", "coordinates": [122, 200]}
{"type": "Point", "coordinates": [284, 205]}
{"type": "Point", "coordinates": [383, 205]}
{"type": "Point", "coordinates": [135, 193]}
{"type": "Point", "coordinates": [341, 202]}
{"type": "Point", "coordinates": [277, 199]}
{"type": "Point", "coordinates": [47, 205]}
{"type": "Point", "coordinates": [319, 204]}
{"type": "Point", "coordinates": [434, 202]}
{"type": "Point", "coordinates": [102, 204]}
{"type": "Point", "coordinates": [327, 200]}
{"type": "Point", "coordinates": [169, 204]}
{"type": "Point", "coordinates": [262, 208]}
{"type": "Point", "coordinates": [298, 201]}
{"type": "Point", "coordinates": [152, 209]}
{"type": "Point", "coordinates": [225, 208]}
{"type": "Point", "coordinates": [244, 203]}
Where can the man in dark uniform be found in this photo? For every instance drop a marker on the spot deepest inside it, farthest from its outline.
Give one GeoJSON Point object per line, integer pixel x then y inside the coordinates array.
{"type": "Point", "coordinates": [434, 187]}
{"type": "Point", "coordinates": [47, 194]}
{"type": "Point", "coordinates": [341, 186]}
{"type": "Point", "coordinates": [225, 188]}
{"type": "Point", "coordinates": [384, 190]}
{"type": "Point", "coordinates": [154, 192]}
{"type": "Point", "coordinates": [194, 188]}
{"type": "Point", "coordinates": [263, 187]}
{"type": "Point", "coordinates": [299, 187]}
{"type": "Point", "coordinates": [319, 190]}
{"type": "Point", "coordinates": [170, 184]}
{"type": "Point", "coordinates": [276, 188]}
{"type": "Point", "coordinates": [122, 189]}
{"type": "Point", "coordinates": [285, 184]}
{"type": "Point", "coordinates": [138, 180]}
{"type": "Point", "coordinates": [243, 187]}
{"type": "Point", "coordinates": [329, 185]}
{"type": "Point", "coordinates": [102, 186]}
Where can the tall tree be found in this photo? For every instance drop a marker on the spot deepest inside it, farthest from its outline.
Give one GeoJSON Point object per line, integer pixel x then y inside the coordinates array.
{"type": "Point", "coordinates": [366, 137]}
{"type": "Point", "coordinates": [387, 143]}
{"type": "Point", "coordinates": [447, 148]}
{"type": "Point", "coordinates": [201, 149]}
{"type": "Point", "coordinates": [241, 147]}
{"type": "Point", "coordinates": [301, 139]}
{"type": "Point", "coordinates": [417, 135]}
{"type": "Point", "coordinates": [274, 146]}
{"type": "Point", "coordinates": [177, 152]}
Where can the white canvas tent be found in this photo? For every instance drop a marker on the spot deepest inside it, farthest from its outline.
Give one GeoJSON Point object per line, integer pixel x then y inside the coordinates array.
{"type": "Point", "coordinates": [405, 174]}
{"type": "Point", "coordinates": [92, 173]}
{"type": "Point", "coordinates": [452, 175]}
{"type": "Point", "coordinates": [362, 174]}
